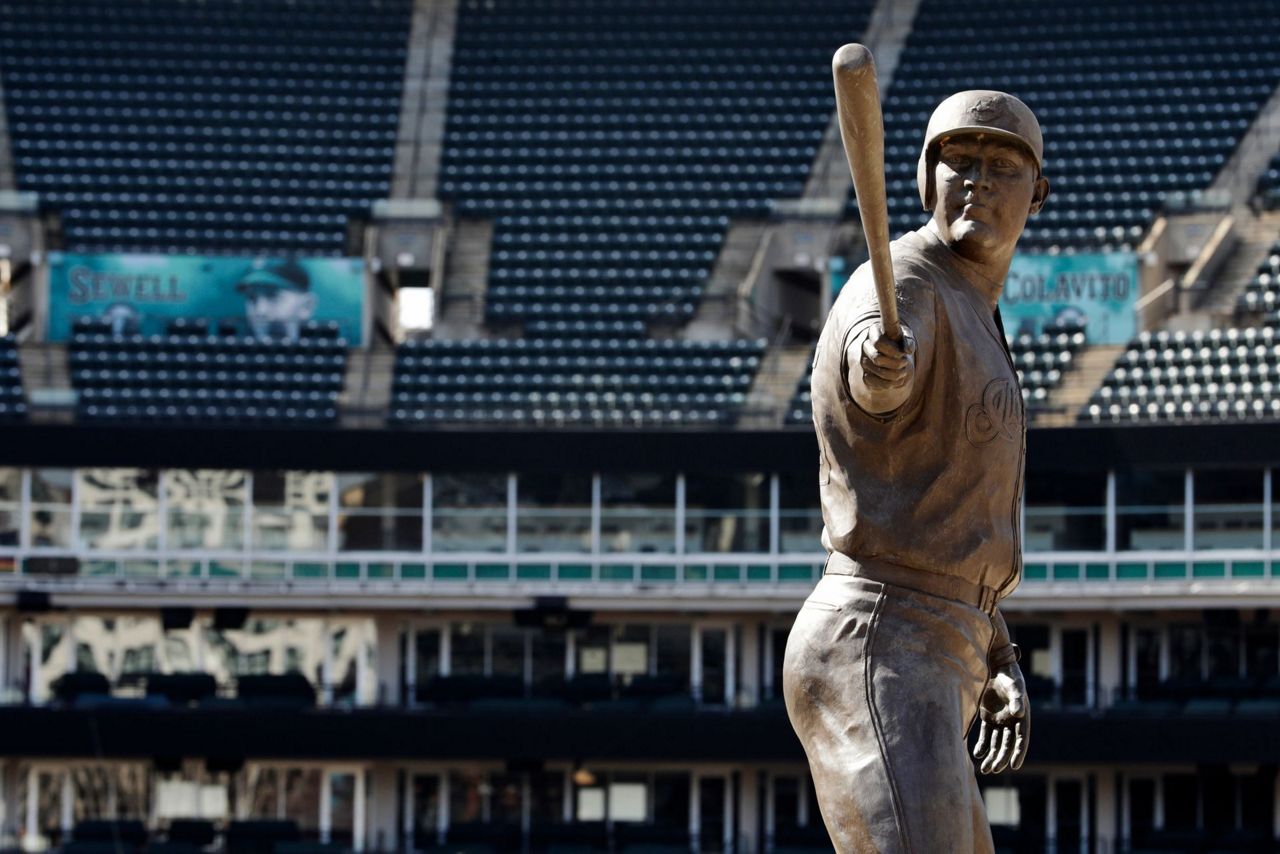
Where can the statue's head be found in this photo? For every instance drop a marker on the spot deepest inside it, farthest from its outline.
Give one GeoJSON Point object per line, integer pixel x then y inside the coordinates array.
{"type": "Point", "coordinates": [980, 171]}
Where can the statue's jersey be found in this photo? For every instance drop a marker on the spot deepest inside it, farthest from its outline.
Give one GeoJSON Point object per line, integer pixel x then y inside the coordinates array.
{"type": "Point", "coordinates": [936, 484]}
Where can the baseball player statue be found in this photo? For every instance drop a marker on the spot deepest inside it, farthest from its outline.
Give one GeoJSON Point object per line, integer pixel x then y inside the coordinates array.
{"type": "Point", "coordinates": [901, 645]}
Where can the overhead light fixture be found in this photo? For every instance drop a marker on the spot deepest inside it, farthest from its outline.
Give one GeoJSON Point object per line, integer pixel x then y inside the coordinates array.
{"type": "Point", "coordinates": [582, 777]}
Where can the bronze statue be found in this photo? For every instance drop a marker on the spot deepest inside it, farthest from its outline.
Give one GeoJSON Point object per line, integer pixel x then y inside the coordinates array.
{"type": "Point", "coordinates": [900, 646]}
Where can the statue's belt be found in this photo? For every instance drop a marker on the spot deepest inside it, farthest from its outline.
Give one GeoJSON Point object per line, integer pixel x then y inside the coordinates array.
{"type": "Point", "coordinates": [946, 586]}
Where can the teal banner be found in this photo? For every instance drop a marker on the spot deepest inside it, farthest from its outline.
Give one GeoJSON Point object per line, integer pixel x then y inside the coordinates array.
{"type": "Point", "coordinates": [1097, 290]}
{"type": "Point", "coordinates": [266, 298]}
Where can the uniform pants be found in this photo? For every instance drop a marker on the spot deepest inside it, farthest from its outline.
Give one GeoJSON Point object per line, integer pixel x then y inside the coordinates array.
{"type": "Point", "coordinates": [882, 684]}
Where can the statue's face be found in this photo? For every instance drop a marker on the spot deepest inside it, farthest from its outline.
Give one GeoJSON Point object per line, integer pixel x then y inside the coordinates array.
{"type": "Point", "coordinates": [986, 187]}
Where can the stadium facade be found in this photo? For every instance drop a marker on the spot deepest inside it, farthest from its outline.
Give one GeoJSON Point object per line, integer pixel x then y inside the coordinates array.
{"type": "Point", "coordinates": [283, 570]}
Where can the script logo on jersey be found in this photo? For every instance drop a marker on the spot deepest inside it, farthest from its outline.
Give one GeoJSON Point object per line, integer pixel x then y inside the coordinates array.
{"type": "Point", "coordinates": [999, 414]}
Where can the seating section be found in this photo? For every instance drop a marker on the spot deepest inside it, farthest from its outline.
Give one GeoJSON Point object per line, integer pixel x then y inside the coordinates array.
{"type": "Point", "coordinates": [196, 377]}
{"type": "Point", "coordinates": [13, 404]}
{"type": "Point", "coordinates": [613, 382]}
{"type": "Point", "coordinates": [1163, 376]}
{"type": "Point", "coordinates": [179, 127]}
{"type": "Point", "coordinates": [1040, 359]}
{"type": "Point", "coordinates": [615, 146]}
{"type": "Point", "coordinates": [1138, 101]}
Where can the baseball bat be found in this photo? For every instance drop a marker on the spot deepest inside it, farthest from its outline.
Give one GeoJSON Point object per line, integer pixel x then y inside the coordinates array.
{"type": "Point", "coordinates": [862, 130]}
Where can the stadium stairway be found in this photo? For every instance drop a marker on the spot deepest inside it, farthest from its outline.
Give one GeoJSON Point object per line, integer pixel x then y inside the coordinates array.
{"type": "Point", "coordinates": [886, 35]}
{"type": "Point", "coordinates": [1257, 233]}
{"type": "Point", "coordinates": [460, 302]}
{"type": "Point", "coordinates": [1090, 368]}
{"type": "Point", "coordinates": [415, 172]}
{"type": "Point", "coordinates": [1239, 175]}
{"type": "Point", "coordinates": [769, 399]}
{"type": "Point", "coordinates": [717, 311]}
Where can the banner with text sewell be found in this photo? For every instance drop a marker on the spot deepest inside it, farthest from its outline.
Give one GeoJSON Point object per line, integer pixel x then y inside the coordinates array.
{"type": "Point", "coordinates": [1097, 291]}
{"type": "Point", "coordinates": [262, 297]}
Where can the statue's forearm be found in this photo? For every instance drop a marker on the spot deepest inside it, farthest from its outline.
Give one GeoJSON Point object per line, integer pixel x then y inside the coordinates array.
{"type": "Point", "coordinates": [1002, 649]}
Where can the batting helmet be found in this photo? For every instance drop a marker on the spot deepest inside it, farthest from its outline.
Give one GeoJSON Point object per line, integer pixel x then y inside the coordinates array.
{"type": "Point", "coordinates": [977, 111]}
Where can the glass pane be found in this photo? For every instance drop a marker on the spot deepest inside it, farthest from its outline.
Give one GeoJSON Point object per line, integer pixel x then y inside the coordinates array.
{"type": "Point", "coordinates": [674, 644]}
{"type": "Point", "coordinates": [506, 800]}
{"type": "Point", "coordinates": [10, 506]}
{"type": "Point", "coordinates": [1066, 511]}
{"type": "Point", "coordinates": [786, 802]}
{"type": "Point", "coordinates": [1228, 509]}
{"type": "Point", "coordinates": [426, 810]}
{"type": "Point", "coordinates": [51, 507]}
{"type": "Point", "coordinates": [712, 815]}
{"type": "Point", "coordinates": [266, 646]}
{"type": "Point", "coordinates": [466, 652]}
{"type": "Point", "coordinates": [800, 519]}
{"type": "Point", "coordinates": [637, 513]}
{"type": "Point", "coordinates": [342, 799]}
{"type": "Point", "coordinates": [548, 655]}
{"type": "Point", "coordinates": [727, 513]}
{"type": "Point", "coordinates": [469, 513]}
{"type": "Point", "coordinates": [380, 512]}
{"type": "Point", "coordinates": [508, 651]}
{"type": "Point", "coordinates": [671, 800]}
{"type": "Point", "coordinates": [628, 801]}
{"type": "Point", "coordinates": [1186, 645]}
{"type": "Point", "coordinates": [630, 651]}
{"type": "Point", "coordinates": [1149, 510]}
{"type": "Point", "coordinates": [302, 798]}
{"type": "Point", "coordinates": [291, 510]}
{"type": "Point", "coordinates": [546, 797]}
{"type": "Point", "coordinates": [714, 665]}
{"type": "Point", "coordinates": [593, 651]}
{"type": "Point", "coordinates": [205, 508]}
{"type": "Point", "coordinates": [119, 508]}
{"type": "Point", "coordinates": [467, 793]}
{"type": "Point", "coordinates": [553, 513]}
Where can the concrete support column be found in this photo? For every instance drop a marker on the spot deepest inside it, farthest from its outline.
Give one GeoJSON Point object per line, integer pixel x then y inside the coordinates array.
{"type": "Point", "coordinates": [384, 816]}
{"type": "Point", "coordinates": [749, 811]}
{"type": "Point", "coordinates": [386, 659]}
{"type": "Point", "coordinates": [1105, 806]}
{"type": "Point", "coordinates": [1110, 664]}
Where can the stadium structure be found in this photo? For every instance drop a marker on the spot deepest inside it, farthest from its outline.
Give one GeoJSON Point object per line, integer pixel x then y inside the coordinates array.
{"type": "Point", "coordinates": [404, 431]}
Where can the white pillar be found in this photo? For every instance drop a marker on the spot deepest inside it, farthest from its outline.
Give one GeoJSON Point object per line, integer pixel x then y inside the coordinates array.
{"type": "Point", "coordinates": [31, 833]}
{"type": "Point", "coordinates": [386, 659]}
{"type": "Point", "coordinates": [358, 812]}
{"type": "Point", "coordinates": [1110, 672]}
{"type": "Point", "coordinates": [749, 653]}
{"type": "Point", "coordinates": [326, 804]}
{"type": "Point", "coordinates": [1105, 809]}
{"type": "Point", "coordinates": [68, 799]}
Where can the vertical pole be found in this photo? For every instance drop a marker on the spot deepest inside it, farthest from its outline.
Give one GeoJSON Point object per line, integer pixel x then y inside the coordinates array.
{"type": "Point", "coordinates": [32, 830]}
{"type": "Point", "coordinates": [326, 804]}
{"type": "Point", "coordinates": [426, 513]}
{"type": "Point", "coordinates": [1189, 511]}
{"type": "Point", "coordinates": [1111, 516]}
{"type": "Point", "coordinates": [442, 813]}
{"type": "Point", "coordinates": [695, 666]}
{"type": "Point", "coordinates": [67, 803]}
{"type": "Point", "coordinates": [596, 493]}
{"type": "Point", "coordinates": [680, 513]}
{"type": "Point", "coordinates": [326, 662]}
{"type": "Point", "coordinates": [511, 515]}
{"type": "Point", "coordinates": [358, 812]}
{"type": "Point", "coordinates": [246, 520]}
{"type": "Point", "coordinates": [24, 517]}
{"type": "Point", "coordinates": [775, 519]}
{"type": "Point", "coordinates": [1267, 500]}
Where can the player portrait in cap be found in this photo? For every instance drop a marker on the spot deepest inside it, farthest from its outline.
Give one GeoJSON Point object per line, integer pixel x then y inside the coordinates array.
{"type": "Point", "coordinates": [277, 299]}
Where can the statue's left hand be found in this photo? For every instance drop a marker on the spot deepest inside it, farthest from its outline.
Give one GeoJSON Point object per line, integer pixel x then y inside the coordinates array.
{"type": "Point", "coordinates": [1005, 721]}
